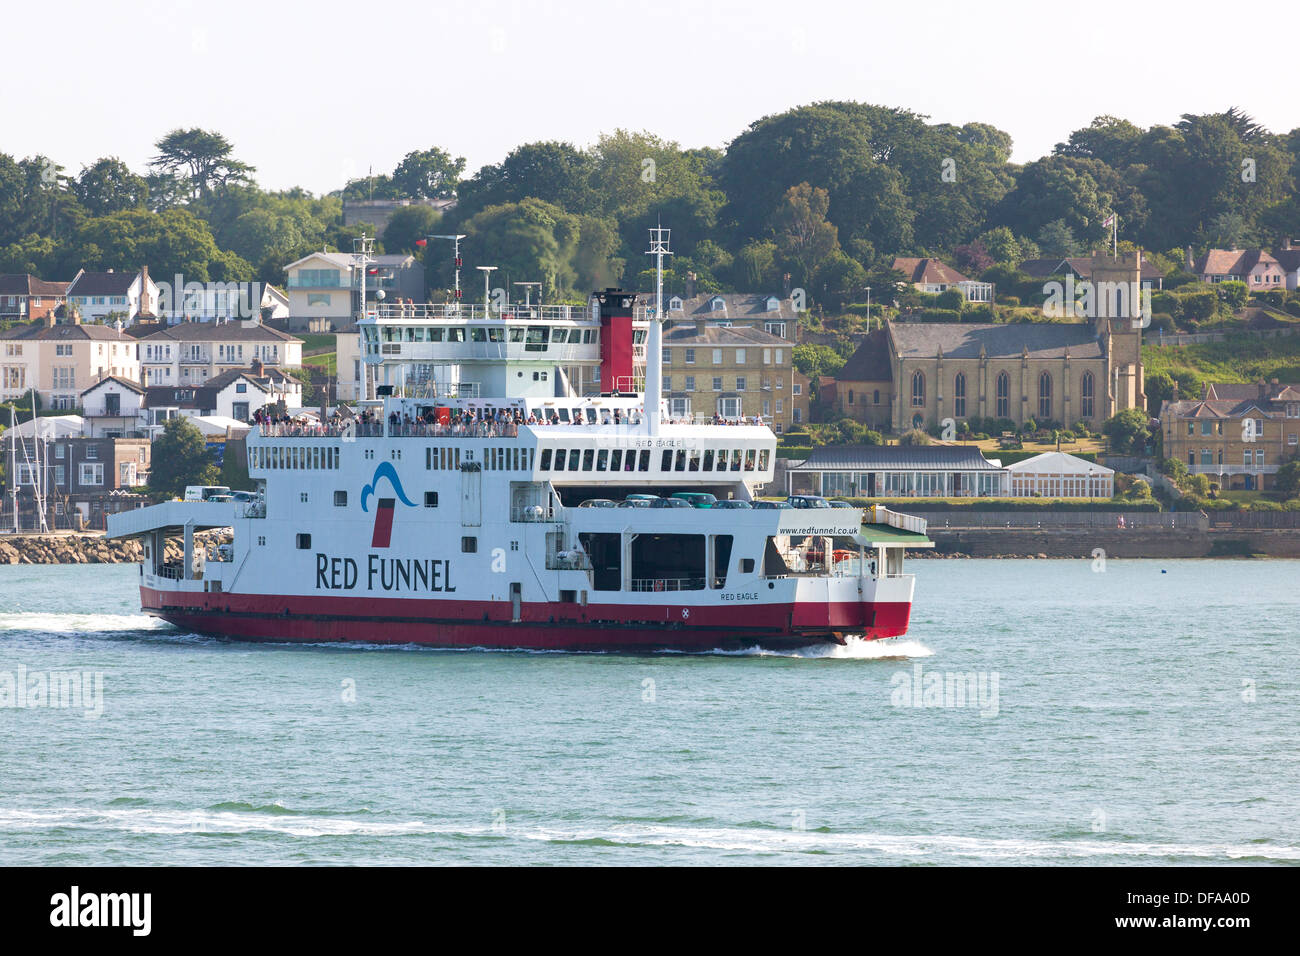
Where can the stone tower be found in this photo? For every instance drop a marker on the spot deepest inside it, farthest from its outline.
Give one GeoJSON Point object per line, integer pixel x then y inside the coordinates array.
{"type": "Point", "coordinates": [1118, 319]}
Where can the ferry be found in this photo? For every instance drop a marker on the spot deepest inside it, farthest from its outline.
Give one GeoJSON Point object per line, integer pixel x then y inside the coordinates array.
{"type": "Point", "coordinates": [478, 499]}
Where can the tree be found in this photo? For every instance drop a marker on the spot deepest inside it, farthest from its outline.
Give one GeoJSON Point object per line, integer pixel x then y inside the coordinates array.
{"type": "Point", "coordinates": [914, 436]}
{"type": "Point", "coordinates": [180, 458]}
{"type": "Point", "coordinates": [407, 226]}
{"type": "Point", "coordinates": [1127, 431]}
{"type": "Point", "coordinates": [556, 172]}
{"type": "Point", "coordinates": [428, 174]}
{"type": "Point", "coordinates": [803, 235]}
{"type": "Point", "coordinates": [816, 360]}
{"type": "Point", "coordinates": [204, 157]}
{"type": "Point", "coordinates": [108, 186]}
{"type": "Point", "coordinates": [1287, 480]}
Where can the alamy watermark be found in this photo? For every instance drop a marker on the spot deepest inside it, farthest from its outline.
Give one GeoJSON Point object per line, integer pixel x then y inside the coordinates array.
{"type": "Point", "coordinates": [948, 689]}
{"type": "Point", "coordinates": [22, 689]}
{"type": "Point", "coordinates": [234, 300]}
{"type": "Point", "coordinates": [1098, 300]}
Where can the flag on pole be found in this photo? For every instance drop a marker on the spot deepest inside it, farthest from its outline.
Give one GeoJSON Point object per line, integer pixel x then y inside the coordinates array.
{"type": "Point", "coordinates": [421, 242]}
{"type": "Point", "coordinates": [1110, 221]}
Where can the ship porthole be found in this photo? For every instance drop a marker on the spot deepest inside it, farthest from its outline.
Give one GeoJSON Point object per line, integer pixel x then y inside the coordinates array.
{"type": "Point", "coordinates": [771, 585]}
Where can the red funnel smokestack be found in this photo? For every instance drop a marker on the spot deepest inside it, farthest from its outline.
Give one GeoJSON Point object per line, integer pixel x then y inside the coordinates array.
{"type": "Point", "coordinates": [616, 307]}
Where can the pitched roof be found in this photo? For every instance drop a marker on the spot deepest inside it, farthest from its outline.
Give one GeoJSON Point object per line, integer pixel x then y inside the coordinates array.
{"type": "Point", "coordinates": [928, 271]}
{"type": "Point", "coordinates": [1288, 259]}
{"type": "Point", "coordinates": [124, 382]}
{"type": "Point", "coordinates": [102, 283]}
{"type": "Point", "coordinates": [735, 305]}
{"type": "Point", "coordinates": [963, 340]}
{"type": "Point", "coordinates": [896, 458]}
{"type": "Point", "coordinates": [1079, 265]}
{"type": "Point", "coordinates": [1059, 463]}
{"type": "Point", "coordinates": [1232, 261]}
{"type": "Point", "coordinates": [40, 332]}
{"type": "Point", "coordinates": [219, 332]}
{"type": "Point", "coordinates": [29, 285]}
{"type": "Point", "coordinates": [741, 335]}
{"type": "Point", "coordinates": [871, 361]}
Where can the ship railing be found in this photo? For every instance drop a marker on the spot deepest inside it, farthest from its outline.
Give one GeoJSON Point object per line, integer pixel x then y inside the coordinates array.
{"type": "Point", "coordinates": [668, 584]}
{"type": "Point", "coordinates": [250, 509]}
{"type": "Point", "coordinates": [174, 572]}
{"type": "Point", "coordinates": [533, 514]}
{"type": "Point", "coordinates": [406, 429]}
{"type": "Point", "coordinates": [568, 561]}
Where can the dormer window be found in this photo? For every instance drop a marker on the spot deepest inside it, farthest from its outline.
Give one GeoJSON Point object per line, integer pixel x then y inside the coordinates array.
{"type": "Point", "coordinates": [675, 304]}
{"type": "Point", "coordinates": [717, 304]}
{"type": "Point", "coordinates": [773, 304]}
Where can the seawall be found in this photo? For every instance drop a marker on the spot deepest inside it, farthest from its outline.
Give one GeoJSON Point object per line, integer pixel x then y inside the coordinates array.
{"type": "Point", "coordinates": [1116, 543]}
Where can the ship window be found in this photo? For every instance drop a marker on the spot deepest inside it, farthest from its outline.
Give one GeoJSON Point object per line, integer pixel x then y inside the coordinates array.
{"type": "Point", "coordinates": [564, 414]}
{"type": "Point", "coordinates": [762, 460]}
{"type": "Point", "coordinates": [435, 335]}
{"type": "Point", "coordinates": [644, 463]}
{"type": "Point", "coordinates": [746, 565]}
{"type": "Point", "coordinates": [478, 334]}
{"type": "Point", "coordinates": [666, 462]}
{"type": "Point", "coordinates": [616, 459]}
{"type": "Point", "coordinates": [588, 457]}
{"type": "Point", "coordinates": [536, 339]}
{"type": "Point", "coordinates": [455, 335]}
{"type": "Point", "coordinates": [708, 459]}
{"type": "Point", "coordinates": [560, 458]}
{"type": "Point", "coordinates": [749, 460]}
{"type": "Point", "coordinates": [546, 459]}
{"type": "Point", "coordinates": [431, 499]}
{"type": "Point", "coordinates": [469, 544]}
{"type": "Point", "coordinates": [721, 559]}
{"type": "Point", "coordinates": [680, 464]}
{"type": "Point", "coordinates": [516, 334]}
{"type": "Point", "coordinates": [304, 542]}
{"type": "Point", "coordinates": [496, 335]}
{"type": "Point", "coordinates": [340, 499]}
{"type": "Point", "coordinates": [573, 459]}
{"type": "Point", "coordinates": [602, 460]}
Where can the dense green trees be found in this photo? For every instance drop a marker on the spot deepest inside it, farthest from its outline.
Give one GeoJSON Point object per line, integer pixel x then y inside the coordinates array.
{"type": "Point", "coordinates": [826, 194]}
{"type": "Point", "coordinates": [180, 458]}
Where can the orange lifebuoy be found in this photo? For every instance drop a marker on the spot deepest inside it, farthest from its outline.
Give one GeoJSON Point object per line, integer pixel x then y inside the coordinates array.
{"type": "Point", "coordinates": [843, 555]}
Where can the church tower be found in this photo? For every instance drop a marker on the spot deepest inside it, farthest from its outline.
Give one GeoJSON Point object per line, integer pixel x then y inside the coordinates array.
{"type": "Point", "coordinates": [1118, 320]}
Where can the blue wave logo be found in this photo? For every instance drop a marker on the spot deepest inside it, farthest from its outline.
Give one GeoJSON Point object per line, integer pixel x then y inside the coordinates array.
{"type": "Point", "coordinates": [385, 470]}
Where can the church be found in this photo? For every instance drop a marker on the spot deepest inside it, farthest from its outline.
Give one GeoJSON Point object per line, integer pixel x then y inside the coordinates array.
{"type": "Point", "coordinates": [917, 374]}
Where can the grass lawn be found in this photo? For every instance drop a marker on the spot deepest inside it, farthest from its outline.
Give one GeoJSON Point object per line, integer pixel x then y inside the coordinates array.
{"type": "Point", "coordinates": [313, 342]}
{"type": "Point", "coordinates": [325, 360]}
{"type": "Point", "coordinates": [1240, 358]}
{"type": "Point", "coordinates": [990, 448]}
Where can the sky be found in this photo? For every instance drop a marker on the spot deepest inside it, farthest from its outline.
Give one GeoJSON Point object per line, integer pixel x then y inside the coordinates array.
{"type": "Point", "coordinates": [315, 94]}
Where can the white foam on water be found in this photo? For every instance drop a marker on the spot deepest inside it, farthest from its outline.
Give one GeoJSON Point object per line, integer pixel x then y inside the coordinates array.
{"type": "Point", "coordinates": [854, 648]}
{"type": "Point", "coordinates": [80, 623]}
{"type": "Point", "coordinates": [732, 839]}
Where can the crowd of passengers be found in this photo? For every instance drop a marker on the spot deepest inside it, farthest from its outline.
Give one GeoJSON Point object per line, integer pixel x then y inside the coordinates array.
{"type": "Point", "coordinates": [468, 422]}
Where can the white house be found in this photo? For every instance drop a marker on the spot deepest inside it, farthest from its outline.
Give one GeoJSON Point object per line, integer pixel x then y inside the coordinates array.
{"type": "Point", "coordinates": [96, 296]}
{"type": "Point", "coordinates": [347, 358]}
{"type": "Point", "coordinates": [325, 287]}
{"type": "Point", "coordinates": [191, 353]}
{"type": "Point", "coordinates": [1055, 474]}
{"type": "Point", "coordinates": [236, 394]}
{"type": "Point", "coordinates": [112, 408]}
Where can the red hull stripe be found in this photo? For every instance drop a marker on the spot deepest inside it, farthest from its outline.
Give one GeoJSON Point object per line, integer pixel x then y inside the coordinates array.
{"type": "Point", "coordinates": [552, 625]}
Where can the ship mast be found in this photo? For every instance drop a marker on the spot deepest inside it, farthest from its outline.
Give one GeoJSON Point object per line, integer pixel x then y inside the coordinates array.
{"type": "Point", "coordinates": [654, 345]}
{"type": "Point", "coordinates": [361, 249]}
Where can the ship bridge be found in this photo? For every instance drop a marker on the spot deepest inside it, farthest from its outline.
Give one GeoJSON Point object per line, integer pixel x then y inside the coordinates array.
{"type": "Point", "coordinates": [457, 350]}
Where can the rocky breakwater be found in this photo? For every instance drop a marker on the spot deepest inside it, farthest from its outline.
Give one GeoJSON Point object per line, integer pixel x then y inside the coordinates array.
{"type": "Point", "coordinates": [86, 548]}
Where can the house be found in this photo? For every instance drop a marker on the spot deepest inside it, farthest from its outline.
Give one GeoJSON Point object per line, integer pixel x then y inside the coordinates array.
{"type": "Point", "coordinates": [324, 288]}
{"type": "Point", "coordinates": [800, 398]}
{"type": "Point", "coordinates": [729, 371]}
{"type": "Point", "coordinates": [1054, 474]}
{"type": "Point", "coordinates": [773, 314]}
{"type": "Point", "coordinates": [25, 298]}
{"type": "Point", "coordinates": [1288, 258]}
{"type": "Point", "coordinates": [1255, 267]}
{"type": "Point", "coordinates": [236, 394]}
{"type": "Point", "coordinates": [78, 479]}
{"type": "Point", "coordinates": [111, 408]}
{"type": "Point", "coordinates": [59, 361]}
{"type": "Point", "coordinates": [898, 471]}
{"type": "Point", "coordinates": [1048, 372]}
{"type": "Point", "coordinates": [1237, 434]}
{"type": "Point", "coordinates": [1081, 268]}
{"type": "Point", "coordinates": [935, 276]}
{"type": "Point", "coordinates": [190, 353]}
{"type": "Point", "coordinates": [100, 296]}
{"type": "Point", "coordinates": [180, 301]}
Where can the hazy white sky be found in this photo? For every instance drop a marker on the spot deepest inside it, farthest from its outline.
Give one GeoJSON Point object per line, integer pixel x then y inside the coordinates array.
{"type": "Point", "coordinates": [314, 93]}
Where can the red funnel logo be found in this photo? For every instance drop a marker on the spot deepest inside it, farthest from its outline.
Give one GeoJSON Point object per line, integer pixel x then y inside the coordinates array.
{"type": "Point", "coordinates": [383, 532]}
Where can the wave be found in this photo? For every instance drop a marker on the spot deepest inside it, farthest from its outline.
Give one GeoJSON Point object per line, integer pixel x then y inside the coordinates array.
{"type": "Point", "coordinates": [854, 648]}
{"type": "Point", "coordinates": [44, 623]}
{"type": "Point", "coordinates": [239, 819]}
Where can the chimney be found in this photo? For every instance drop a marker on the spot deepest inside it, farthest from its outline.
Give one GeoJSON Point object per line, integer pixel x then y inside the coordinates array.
{"type": "Point", "coordinates": [145, 307]}
{"type": "Point", "coordinates": [700, 326]}
{"type": "Point", "coordinates": [690, 285]}
{"type": "Point", "coordinates": [1174, 396]}
{"type": "Point", "coordinates": [1190, 262]}
{"type": "Point", "coordinates": [785, 285]}
{"type": "Point", "coordinates": [257, 367]}
{"type": "Point", "coordinates": [616, 308]}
